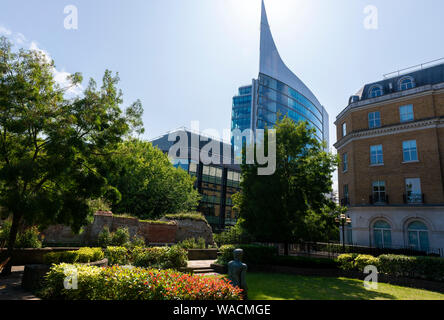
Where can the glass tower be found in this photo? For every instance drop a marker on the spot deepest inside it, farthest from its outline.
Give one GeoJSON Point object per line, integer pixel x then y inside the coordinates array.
{"type": "Point", "coordinates": [277, 91]}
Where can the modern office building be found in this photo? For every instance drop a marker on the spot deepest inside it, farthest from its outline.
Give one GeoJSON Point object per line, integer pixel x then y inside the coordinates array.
{"type": "Point", "coordinates": [216, 182]}
{"type": "Point", "coordinates": [277, 91]}
{"type": "Point", "coordinates": [390, 138]}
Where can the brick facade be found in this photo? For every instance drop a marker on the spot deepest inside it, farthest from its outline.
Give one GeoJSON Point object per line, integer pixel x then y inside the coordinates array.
{"type": "Point", "coordinates": [427, 129]}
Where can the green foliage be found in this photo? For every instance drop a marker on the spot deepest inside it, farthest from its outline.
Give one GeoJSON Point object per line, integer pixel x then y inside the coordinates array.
{"type": "Point", "coordinates": [158, 257]}
{"type": "Point", "coordinates": [118, 283]}
{"type": "Point", "coordinates": [192, 243]}
{"type": "Point", "coordinates": [28, 238]}
{"type": "Point", "coordinates": [305, 262]}
{"type": "Point", "coordinates": [83, 255]}
{"type": "Point", "coordinates": [149, 184]}
{"type": "Point", "coordinates": [429, 268]}
{"type": "Point", "coordinates": [346, 261]}
{"type": "Point", "coordinates": [52, 146]}
{"type": "Point", "coordinates": [254, 254]}
{"type": "Point", "coordinates": [120, 237]}
{"type": "Point", "coordinates": [283, 207]}
{"type": "Point", "coordinates": [137, 241]}
{"type": "Point", "coordinates": [233, 235]}
{"type": "Point", "coordinates": [104, 238]}
{"type": "Point", "coordinates": [195, 216]}
{"type": "Point", "coordinates": [117, 255]}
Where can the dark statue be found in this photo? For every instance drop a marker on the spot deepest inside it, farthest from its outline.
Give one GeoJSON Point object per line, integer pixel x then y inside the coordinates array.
{"type": "Point", "coordinates": [237, 272]}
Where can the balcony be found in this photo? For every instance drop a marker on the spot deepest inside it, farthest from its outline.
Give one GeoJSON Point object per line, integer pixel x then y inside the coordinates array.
{"type": "Point", "coordinates": [414, 198]}
{"type": "Point", "coordinates": [379, 200]}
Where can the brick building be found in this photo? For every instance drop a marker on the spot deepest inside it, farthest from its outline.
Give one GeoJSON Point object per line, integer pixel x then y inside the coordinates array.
{"type": "Point", "coordinates": [390, 139]}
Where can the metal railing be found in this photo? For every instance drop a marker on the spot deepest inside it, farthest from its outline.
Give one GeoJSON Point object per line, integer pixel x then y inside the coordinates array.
{"type": "Point", "coordinates": [413, 68]}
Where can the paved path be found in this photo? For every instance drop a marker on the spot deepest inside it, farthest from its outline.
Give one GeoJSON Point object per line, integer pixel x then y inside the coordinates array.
{"type": "Point", "coordinates": [11, 289]}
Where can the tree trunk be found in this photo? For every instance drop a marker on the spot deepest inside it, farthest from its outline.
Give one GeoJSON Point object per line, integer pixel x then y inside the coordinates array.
{"type": "Point", "coordinates": [11, 242]}
{"type": "Point", "coordinates": [286, 249]}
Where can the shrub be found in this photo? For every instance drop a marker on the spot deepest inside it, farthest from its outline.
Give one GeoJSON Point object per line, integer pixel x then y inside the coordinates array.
{"type": "Point", "coordinates": [233, 235]}
{"type": "Point", "coordinates": [192, 244]}
{"type": "Point", "coordinates": [120, 237]}
{"type": "Point", "coordinates": [161, 257]}
{"type": "Point", "coordinates": [254, 254]}
{"type": "Point", "coordinates": [117, 255]}
{"type": "Point", "coordinates": [346, 261]}
{"type": "Point", "coordinates": [29, 238]}
{"type": "Point", "coordinates": [83, 255]}
{"type": "Point", "coordinates": [196, 216]}
{"type": "Point", "coordinates": [123, 283]}
{"type": "Point", "coordinates": [305, 262]}
{"type": "Point", "coordinates": [104, 238]}
{"type": "Point", "coordinates": [137, 241]}
{"type": "Point", "coordinates": [429, 268]}
{"type": "Point", "coordinates": [363, 260]}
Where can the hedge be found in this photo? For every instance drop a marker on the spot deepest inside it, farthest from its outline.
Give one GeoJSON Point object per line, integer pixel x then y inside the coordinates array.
{"type": "Point", "coordinates": [131, 283]}
{"type": "Point", "coordinates": [305, 262]}
{"type": "Point", "coordinates": [83, 255]}
{"type": "Point", "coordinates": [195, 216]}
{"type": "Point", "coordinates": [429, 268]}
{"type": "Point", "coordinates": [253, 254]}
{"type": "Point", "coordinates": [160, 257]}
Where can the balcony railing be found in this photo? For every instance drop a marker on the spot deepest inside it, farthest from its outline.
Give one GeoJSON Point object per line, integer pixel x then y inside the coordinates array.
{"type": "Point", "coordinates": [414, 198]}
{"type": "Point", "coordinates": [379, 199]}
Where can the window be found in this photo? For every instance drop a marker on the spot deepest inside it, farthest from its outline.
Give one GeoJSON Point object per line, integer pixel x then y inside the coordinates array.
{"type": "Point", "coordinates": [406, 83]}
{"type": "Point", "coordinates": [410, 151]}
{"type": "Point", "coordinates": [376, 155]}
{"type": "Point", "coordinates": [344, 129]}
{"type": "Point", "coordinates": [379, 195]}
{"type": "Point", "coordinates": [374, 120]}
{"type": "Point", "coordinates": [413, 190]}
{"type": "Point", "coordinates": [406, 113]}
{"type": "Point", "coordinates": [345, 162]}
{"type": "Point", "coordinates": [376, 91]}
{"type": "Point", "coordinates": [382, 234]}
{"type": "Point", "coordinates": [346, 200]}
{"type": "Point", "coordinates": [418, 236]}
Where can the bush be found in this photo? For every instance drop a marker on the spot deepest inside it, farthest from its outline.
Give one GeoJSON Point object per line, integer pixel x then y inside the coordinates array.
{"type": "Point", "coordinates": [123, 283]}
{"type": "Point", "coordinates": [161, 258]}
{"type": "Point", "coordinates": [29, 238]}
{"type": "Point", "coordinates": [137, 241]}
{"type": "Point", "coordinates": [192, 244]}
{"type": "Point", "coordinates": [120, 237]}
{"type": "Point", "coordinates": [254, 254]}
{"type": "Point", "coordinates": [233, 235]}
{"type": "Point", "coordinates": [117, 255]}
{"type": "Point", "coordinates": [364, 260]}
{"type": "Point", "coordinates": [104, 238]}
{"type": "Point", "coordinates": [83, 255]}
{"type": "Point", "coordinates": [346, 261]}
{"type": "Point", "coordinates": [196, 216]}
{"type": "Point", "coordinates": [305, 262]}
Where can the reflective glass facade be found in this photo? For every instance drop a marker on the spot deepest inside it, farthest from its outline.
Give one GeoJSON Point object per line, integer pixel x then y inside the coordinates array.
{"type": "Point", "coordinates": [241, 113]}
{"type": "Point", "coordinates": [276, 98]}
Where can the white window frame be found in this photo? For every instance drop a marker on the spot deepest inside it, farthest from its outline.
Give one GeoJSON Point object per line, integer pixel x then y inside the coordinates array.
{"type": "Point", "coordinates": [378, 153]}
{"type": "Point", "coordinates": [372, 122]}
{"type": "Point", "coordinates": [403, 87]}
{"type": "Point", "coordinates": [407, 114]}
{"type": "Point", "coordinates": [372, 91]}
{"type": "Point", "coordinates": [409, 151]}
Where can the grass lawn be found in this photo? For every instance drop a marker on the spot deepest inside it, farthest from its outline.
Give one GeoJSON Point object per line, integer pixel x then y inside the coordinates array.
{"type": "Point", "coordinates": [266, 286]}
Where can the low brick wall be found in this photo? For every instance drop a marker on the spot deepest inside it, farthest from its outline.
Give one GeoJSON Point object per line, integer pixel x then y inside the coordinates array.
{"type": "Point", "coordinates": [30, 256]}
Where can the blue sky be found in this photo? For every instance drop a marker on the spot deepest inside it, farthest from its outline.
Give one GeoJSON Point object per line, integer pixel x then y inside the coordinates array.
{"type": "Point", "coordinates": [184, 59]}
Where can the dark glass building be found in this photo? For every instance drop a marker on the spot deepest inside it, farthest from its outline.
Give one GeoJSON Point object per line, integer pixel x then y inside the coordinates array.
{"type": "Point", "coordinates": [215, 182]}
{"type": "Point", "coordinates": [277, 91]}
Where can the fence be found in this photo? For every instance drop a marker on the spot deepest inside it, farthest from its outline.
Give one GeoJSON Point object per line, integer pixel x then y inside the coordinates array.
{"type": "Point", "coordinates": [333, 250]}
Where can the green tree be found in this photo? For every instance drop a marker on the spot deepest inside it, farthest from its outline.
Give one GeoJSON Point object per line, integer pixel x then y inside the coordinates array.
{"type": "Point", "coordinates": [281, 207]}
{"type": "Point", "coordinates": [50, 145]}
{"type": "Point", "coordinates": [148, 182]}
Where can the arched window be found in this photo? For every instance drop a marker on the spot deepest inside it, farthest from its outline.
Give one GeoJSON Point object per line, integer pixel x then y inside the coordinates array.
{"type": "Point", "coordinates": [418, 236]}
{"type": "Point", "coordinates": [382, 233]}
{"type": "Point", "coordinates": [376, 91]}
{"type": "Point", "coordinates": [406, 83]}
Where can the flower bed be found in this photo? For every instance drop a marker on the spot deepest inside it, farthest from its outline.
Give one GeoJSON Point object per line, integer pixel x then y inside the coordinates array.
{"type": "Point", "coordinates": [132, 283]}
